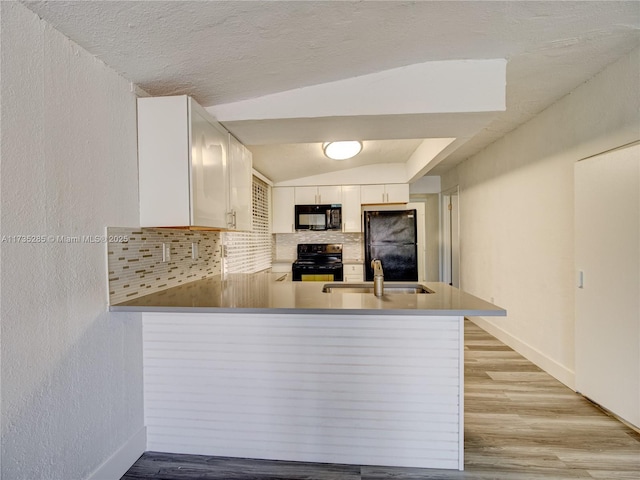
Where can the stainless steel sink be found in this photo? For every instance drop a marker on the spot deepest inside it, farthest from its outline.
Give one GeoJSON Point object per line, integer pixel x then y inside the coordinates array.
{"type": "Point", "coordinates": [389, 288]}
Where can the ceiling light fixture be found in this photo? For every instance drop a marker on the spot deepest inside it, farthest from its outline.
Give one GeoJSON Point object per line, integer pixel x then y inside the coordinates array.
{"type": "Point", "coordinates": [342, 150]}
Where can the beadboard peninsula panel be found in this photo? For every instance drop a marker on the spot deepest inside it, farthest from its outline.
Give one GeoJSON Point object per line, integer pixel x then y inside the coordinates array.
{"type": "Point", "coordinates": [347, 389]}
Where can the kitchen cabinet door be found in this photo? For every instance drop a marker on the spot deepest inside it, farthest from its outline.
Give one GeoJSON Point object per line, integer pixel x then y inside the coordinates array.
{"type": "Point", "coordinates": [381, 194]}
{"type": "Point", "coordinates": [397, 192]}
{"type": "Point", "coordinates": [209, 154]}
{"type": "Point", "coordinates": [188, 177]}
{"type": "Point", "coordinates": [330, 194]}
{"type": "Point", "coordinates": [306, 195]}
{"type": "Point", "coordinates": [182, 161]}
{"type": "Point", "coordinates": [322, 195]}
{"type": "Point", "coordinates": [283, 210]}
{"type": "Point", "coordinates": [240, 186]}
{"type": "Point", "coordinates": [163, 162]}
{"type": "Point", "coordinates": [351, 209]}
{"type": "Point", "coordinates": [372, 194]}
{"type": "Point", "coordinates": [353, 272]}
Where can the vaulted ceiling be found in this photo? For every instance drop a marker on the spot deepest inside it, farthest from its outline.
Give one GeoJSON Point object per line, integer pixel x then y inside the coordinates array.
{"type": "Point", "coordinates": [246, 59]}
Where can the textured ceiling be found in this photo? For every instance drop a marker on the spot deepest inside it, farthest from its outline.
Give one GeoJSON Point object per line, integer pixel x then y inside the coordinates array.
{"type": "Point", "coordinates": [226, 51]}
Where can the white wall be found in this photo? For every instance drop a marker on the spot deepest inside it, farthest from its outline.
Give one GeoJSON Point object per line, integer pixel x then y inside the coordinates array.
{"type": "Point", "coordinates": [426, 184]}
{"type": "Point", "coordinates": [517, 211]}
{"type": "Point", "coordinates": [71, 372]}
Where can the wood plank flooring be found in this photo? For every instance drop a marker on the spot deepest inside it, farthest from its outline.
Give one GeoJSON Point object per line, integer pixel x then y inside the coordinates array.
{"type": "Point", "coordinates": [520, 424]}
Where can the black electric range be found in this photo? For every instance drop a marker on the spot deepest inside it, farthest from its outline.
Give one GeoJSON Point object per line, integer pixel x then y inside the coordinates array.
{"type": "Point", "coordinates": [318, 262]}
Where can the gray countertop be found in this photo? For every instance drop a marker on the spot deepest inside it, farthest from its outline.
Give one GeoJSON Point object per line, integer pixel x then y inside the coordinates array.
{"type": "Point", "coordinates": [264, 293]}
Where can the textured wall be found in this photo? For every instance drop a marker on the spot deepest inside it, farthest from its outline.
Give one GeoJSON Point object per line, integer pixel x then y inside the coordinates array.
{"type": "Point", "coordinates": [517, 212]}
{"type": "Point", "coordinates": [71, 372]}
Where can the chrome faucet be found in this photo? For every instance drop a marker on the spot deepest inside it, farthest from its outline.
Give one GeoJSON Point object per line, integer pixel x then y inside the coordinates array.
{"type": "Point", "coordinates": [378, 277]}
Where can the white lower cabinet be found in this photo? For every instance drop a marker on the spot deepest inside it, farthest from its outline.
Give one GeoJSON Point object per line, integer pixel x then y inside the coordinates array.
{"type": "Point", "coordinates": [353, 272]}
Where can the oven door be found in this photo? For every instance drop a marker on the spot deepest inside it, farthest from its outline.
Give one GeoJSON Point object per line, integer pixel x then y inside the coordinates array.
{"type": "Point", "coordinates": [317, 273]}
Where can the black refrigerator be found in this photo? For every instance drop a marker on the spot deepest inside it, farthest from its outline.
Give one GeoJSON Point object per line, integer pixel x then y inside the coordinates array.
{"type": "Point", "coordinates": [390, 236]}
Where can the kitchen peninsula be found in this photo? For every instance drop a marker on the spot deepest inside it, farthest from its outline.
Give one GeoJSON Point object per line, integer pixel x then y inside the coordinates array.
{"type": "Point", "coordinates": [249, 366]}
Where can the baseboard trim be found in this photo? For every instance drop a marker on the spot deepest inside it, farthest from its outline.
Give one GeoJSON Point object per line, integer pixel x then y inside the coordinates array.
{"type": "Point", "coordinates": [118, 464]}
{"type": "Point", "coordinates": [633, 427]}
{"type": "Point", "coordinates": [553, 368]}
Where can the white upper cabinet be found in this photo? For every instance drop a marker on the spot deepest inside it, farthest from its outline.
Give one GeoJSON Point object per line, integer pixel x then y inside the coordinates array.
{"type": "Point", "coordinates": [209, 157]}
{"type": "Point", "coordinates": [240, 186]}
{"type": "Point", "coordinates": [379, 194]}
{"type": "Point", "coordinates": [330, 194]}
{"type": "Point", "coordinates": [321, 195]}
{"type": "Point", "coordinates": [306, 195]}
{"type": "Point", "coordinates": [184, 174]}
{"type": "Point", "coordinates": [282, 213]}
{"type": "Point", "coordinates": [351, 209]}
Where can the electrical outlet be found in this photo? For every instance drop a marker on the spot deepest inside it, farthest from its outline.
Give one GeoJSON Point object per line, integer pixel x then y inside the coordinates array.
{"type": "Point", "coordinates": [194, 250]}
{"type": "Point", "coordinates": [166, 252]}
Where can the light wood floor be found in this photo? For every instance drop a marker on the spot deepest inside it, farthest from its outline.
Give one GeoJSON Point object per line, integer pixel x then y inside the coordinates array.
{"type": "Point", "coordinates": [520, 424]}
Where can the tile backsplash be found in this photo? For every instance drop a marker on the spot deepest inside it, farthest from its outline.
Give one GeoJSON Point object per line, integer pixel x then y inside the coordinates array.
{"type": "Point", "coordinates": [285, 244]}
{"type": "Point", "coordinates": [136, 266]}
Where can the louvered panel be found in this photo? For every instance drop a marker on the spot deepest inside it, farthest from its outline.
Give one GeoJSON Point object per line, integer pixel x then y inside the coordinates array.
{"type": "Point", "coordinates": [353, 389]}
{"type": "Point", "coordinates": [250, 252]}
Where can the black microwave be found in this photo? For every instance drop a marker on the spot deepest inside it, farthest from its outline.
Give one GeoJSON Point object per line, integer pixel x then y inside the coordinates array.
{"type": "Point", "coordinates": [318, 217]}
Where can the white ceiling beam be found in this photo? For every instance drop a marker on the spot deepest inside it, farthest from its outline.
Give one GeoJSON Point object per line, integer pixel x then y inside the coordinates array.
{"type": "Point", "coordinates": [431, 87]}
{"type": "Point", "coordinates": [427, 151]}
{"type": "Point", "coordinates": [362, 175]}
{"type": "Point", "coordinates": [370, 127]}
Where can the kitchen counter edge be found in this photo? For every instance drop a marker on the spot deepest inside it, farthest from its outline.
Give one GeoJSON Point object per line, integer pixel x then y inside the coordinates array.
{"type": "Point", "coordinates": [312, 311]}
{"type": "Point", "coordinates": [263, 294]}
